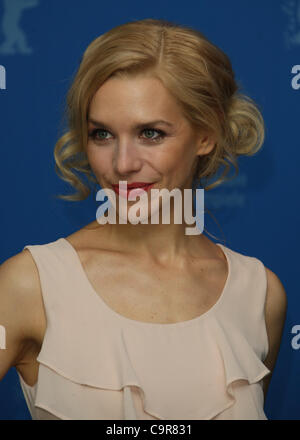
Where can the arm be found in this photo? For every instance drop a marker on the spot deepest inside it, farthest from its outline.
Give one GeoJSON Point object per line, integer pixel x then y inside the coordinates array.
{"type": "Point", "coordinates": [19, 308]}
{"type": "Point", "coordinates": [275, 315]}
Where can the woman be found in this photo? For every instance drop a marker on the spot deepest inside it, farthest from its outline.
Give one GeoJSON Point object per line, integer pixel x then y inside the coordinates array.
{"type": "Point", "coordinates": [141, 320]}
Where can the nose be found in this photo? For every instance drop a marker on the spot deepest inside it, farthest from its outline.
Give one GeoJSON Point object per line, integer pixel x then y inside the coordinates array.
{"type": "Point", "coordinates": [126, 159]}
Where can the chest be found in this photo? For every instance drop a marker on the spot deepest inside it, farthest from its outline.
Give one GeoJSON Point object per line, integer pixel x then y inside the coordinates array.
{"type": "Point", "coordinates": [150, 294]}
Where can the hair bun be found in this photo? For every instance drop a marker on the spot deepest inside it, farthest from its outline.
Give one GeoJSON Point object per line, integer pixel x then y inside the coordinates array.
{"type": "Point", "coordinates": [246, 129]}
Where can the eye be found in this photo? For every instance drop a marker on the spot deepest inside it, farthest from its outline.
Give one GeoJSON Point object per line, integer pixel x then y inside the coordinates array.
{"type": "Point", "coordinates": [161, 134]}
{"type": "Point", "coordinates": [93, 135]}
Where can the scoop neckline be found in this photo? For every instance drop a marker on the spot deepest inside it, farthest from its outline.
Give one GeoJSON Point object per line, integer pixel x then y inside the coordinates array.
{"type": "Point", "coordinates": [144, 324]}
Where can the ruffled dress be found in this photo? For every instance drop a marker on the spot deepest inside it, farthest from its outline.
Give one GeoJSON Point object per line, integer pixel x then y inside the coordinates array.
{"type": "Point", "coordinates": [97, 364]}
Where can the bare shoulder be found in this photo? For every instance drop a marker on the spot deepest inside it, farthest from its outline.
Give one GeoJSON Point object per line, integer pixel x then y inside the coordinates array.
{"type": "Point", "coordinates": [93, 236]}
{"type": "Point", "coordinates": [276, 298]}
{"type": "Point", "coordinates": [21, 305]}
{"type": "Point", "coordinates": [20, 276]}
{"type": "Point", "coordinates": [275, 315]}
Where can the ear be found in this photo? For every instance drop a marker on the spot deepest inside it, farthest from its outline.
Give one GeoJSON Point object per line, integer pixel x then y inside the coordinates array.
{"type": "Point", "coordinates": [205, 144]}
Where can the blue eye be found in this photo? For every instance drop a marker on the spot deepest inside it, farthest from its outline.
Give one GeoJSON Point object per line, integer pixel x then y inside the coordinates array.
{"type": "Point", "coordinates": [93, 135]}
{"type": "Point", "coordinates": [161, 134]}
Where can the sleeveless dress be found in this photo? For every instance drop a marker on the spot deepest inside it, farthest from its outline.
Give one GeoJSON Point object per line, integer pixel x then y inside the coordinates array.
{"type": "Point", "coordinates": [97, 364]}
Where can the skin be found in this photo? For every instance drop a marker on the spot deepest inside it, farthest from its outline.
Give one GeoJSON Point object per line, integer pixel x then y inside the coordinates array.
{"type": "Point", "coordinates": [128, 155]}
{"type": "Point", "coordinates": [170, 164]}
{"type": "Point", "coordinates": [159, 250]}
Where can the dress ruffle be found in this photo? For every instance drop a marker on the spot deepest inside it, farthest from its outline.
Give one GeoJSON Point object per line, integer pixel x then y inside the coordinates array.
{"type": "Point", "coordinates": [189, 381]}
{"type": "Point", "coordinates": [96, 364]}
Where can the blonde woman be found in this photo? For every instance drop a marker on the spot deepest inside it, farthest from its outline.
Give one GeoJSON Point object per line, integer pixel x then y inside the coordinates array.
{"type": "Point", "coordinates": [141, 320]}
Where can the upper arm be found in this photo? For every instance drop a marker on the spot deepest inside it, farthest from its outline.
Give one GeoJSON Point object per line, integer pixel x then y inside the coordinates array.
{"type": "Point", "coordinates": [19, 287]}
{"type": "Point", "coordinates": [275, 315]}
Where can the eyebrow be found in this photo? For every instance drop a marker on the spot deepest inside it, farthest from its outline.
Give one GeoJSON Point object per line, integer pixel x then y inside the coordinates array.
{"type": "Point", "coordinates": [141, 125]}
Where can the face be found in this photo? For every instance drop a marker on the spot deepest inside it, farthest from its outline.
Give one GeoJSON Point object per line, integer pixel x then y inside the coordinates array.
{"type": "Point", "coordinates": [125, 144]}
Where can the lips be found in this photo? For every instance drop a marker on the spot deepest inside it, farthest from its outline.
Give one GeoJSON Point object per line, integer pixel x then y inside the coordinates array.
{"type": "Point", "coordinates": [132, 185]}
{"type": "Point", "coordinates": [140, 185]}
{"type": "Point", "coordinates": [137, 187]}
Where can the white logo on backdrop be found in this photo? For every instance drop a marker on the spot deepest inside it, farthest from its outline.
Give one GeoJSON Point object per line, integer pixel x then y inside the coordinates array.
{"type": "Point", "coordinates": [15, 41]}
{"type": "Point", "coordinates": [2, 78]}
{"type": "Point", "coordinates": [292, 34]}
{"type": "Point", "coordinates": [295, 342]}
{"type": "Point", "coordinates": [2, 338]}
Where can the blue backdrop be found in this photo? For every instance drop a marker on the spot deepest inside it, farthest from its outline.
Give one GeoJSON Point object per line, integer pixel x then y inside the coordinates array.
{"type": "Point", "coordinates": [41, 44]}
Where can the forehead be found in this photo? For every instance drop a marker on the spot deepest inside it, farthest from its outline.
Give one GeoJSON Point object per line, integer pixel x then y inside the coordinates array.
{"type": "Point", "coordinates": [141, 96]}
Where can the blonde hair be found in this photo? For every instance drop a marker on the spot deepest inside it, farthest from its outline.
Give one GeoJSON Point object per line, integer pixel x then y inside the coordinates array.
{"type": "Point", "coordinates": [196, 72]}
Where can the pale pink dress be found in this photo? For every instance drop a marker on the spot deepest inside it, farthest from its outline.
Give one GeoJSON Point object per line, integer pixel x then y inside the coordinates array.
{"type": "Point", "coordinates": [97, 364]}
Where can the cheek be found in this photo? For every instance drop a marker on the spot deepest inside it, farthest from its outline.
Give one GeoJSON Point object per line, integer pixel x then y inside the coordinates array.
{"type": "Point", "coordinates": [178, 159]}
{"type": "Point", "coordinates": [99, 160]}
{"type": "Point", "coordinates": [180, 164]}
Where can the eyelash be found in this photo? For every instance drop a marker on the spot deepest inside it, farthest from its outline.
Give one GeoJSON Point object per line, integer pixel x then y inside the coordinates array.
{"type": "Point", "coordinates": [161, 133]}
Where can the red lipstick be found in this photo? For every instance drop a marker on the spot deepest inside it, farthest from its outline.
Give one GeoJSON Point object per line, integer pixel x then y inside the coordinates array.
{"type": "Point", "coordinates": [137, 184]}
{"type": "Point", "coordinates": [136, 188]}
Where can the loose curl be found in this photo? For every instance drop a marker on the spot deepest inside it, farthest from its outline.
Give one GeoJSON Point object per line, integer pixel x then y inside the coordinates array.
{"type": "Point", "coordinates": [197, 73]}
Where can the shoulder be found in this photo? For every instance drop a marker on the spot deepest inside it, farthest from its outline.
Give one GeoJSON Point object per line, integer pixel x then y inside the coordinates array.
{"type": "Point", "coordinates": [276, 297]}
{"type": "Point", "coordinates": [19, 274]}
{"type": "Point", "coordinates": [275, 304]}
{"type": "Point", "coordinates": [275, 315]}
{"type": "Point", "coordinates": [92, 236]}
{"type": "Point", "coordinates": [274, 311]}
{"type": "Point", "coordinates": [20, 295]}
